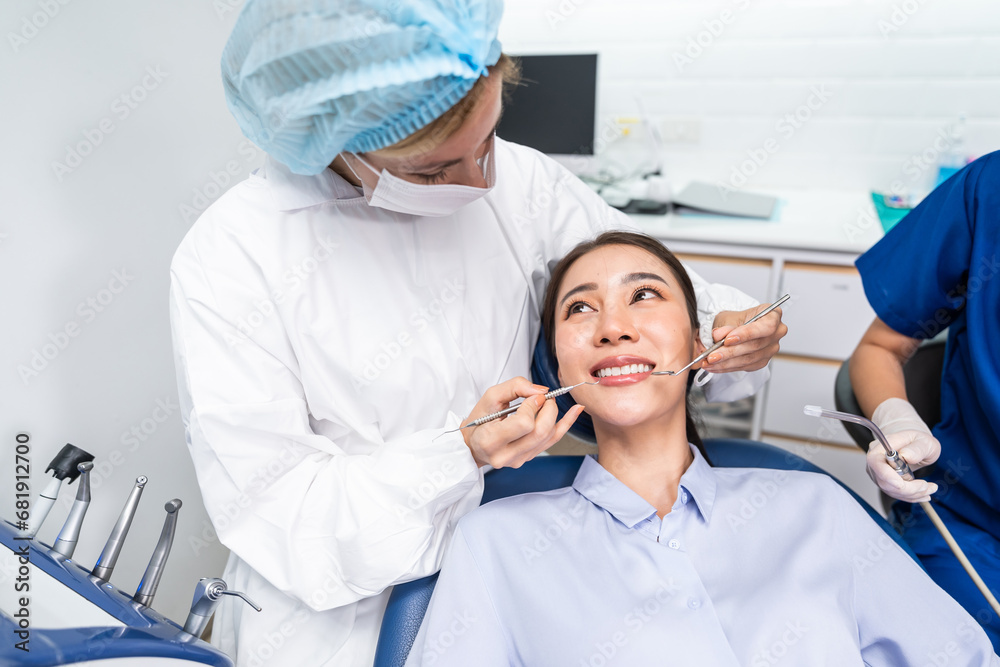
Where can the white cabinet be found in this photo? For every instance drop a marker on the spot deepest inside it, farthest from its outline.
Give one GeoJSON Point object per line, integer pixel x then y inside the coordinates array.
{"type": "Point", "coordinates": [797, 382]}
{"type": "Point", "coordinates": [752, 276]}
{"type": "Point", "coordinates": [828, 311]}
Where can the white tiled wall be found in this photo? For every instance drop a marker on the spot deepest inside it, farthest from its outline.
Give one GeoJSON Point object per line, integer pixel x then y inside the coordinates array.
{"type": "Point", "coordinates": [895, 73]}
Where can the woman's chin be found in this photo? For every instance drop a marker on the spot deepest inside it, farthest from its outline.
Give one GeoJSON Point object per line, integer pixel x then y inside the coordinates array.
{"type": "Point", "coordinates": [619, 416]}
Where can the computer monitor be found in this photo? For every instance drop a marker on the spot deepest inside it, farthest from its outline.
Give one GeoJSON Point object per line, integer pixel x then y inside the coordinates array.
{"type": "Point", "coordinates": [554, 108]}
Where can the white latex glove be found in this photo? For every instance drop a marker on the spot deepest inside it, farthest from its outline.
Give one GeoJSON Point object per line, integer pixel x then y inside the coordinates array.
{"type": "Point", "coordinates": [909, 436]}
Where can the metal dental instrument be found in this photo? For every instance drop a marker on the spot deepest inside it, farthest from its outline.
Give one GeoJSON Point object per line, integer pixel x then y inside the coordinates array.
{"type": "Point", "coordinates": [65, 544]}
{"type": "Point", "coordinates": [106, 561]}
{"type": "Point", "coordinates": [63, 467]}
{"type": "Point", "coordinates": [493, 416]}
{"type": "Point", "coordinates": [207, 594]}
{"type": "Point", "coordinates": [151, 578]}
{"type": "Point", "coordinates": [904, 471]}
{"type": "Point", "coordinates": [720, 343]}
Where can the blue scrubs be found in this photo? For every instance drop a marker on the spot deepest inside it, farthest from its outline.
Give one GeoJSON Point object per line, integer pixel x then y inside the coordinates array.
{"type": "Point", "coordinates": [940, 267]}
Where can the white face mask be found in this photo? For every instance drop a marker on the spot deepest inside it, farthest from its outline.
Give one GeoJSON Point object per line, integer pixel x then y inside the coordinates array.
{"type": "Point", "coordinates": [435, 201]}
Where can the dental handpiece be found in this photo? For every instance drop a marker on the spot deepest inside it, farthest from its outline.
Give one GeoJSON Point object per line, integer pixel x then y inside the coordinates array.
{"type": "Point", "coordinates": [151, 578]}
{"type": "Point", "coordinates": [65, 544]}
{"type": "Point", "coordinates": [894, 459]}
{"type": "Point", "coordinates": [106, 561]}
{"type": "Point", "coordinates": [493, 416]}
{"type": "Point", "coordinates": [207, 594]}
{"type": "Point", "coordinates": [63, 467]}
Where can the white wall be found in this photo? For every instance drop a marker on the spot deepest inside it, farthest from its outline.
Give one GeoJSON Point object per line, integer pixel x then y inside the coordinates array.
{"type": "Point", "coordinates": [895, 73]}
{"type": "Point", "coordinates": [63, 233]}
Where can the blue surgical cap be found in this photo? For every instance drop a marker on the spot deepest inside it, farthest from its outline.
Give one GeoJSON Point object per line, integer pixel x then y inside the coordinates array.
{"type": "Point", "coordinates": [307, 79]}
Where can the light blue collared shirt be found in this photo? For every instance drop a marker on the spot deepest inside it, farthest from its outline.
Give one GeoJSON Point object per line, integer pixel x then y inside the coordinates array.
{"type": "Point", "coordinates": [751, 567]}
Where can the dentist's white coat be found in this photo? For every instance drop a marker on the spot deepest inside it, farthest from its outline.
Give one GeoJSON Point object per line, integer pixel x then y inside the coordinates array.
{"type": "Point", "coordinates": [322, 345]}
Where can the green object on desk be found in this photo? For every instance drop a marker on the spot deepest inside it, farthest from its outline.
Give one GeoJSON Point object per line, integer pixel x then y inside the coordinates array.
{"type": "Point", "coordinates": [887, 215]}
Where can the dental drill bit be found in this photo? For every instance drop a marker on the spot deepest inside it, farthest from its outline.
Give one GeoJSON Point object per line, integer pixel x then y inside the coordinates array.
{"type": "Point", "coordinates": [151, 578]}
{"type": "Point", "coordinates": [65, 544]}
{"type": "Point", "coordinates": [64, 467]}
{"type": "Point", "coordinates": [106, 562]}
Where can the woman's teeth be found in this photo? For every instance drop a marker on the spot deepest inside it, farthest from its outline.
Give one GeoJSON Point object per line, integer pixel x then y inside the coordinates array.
{"type": "Point", "coordinates": [623, 370]}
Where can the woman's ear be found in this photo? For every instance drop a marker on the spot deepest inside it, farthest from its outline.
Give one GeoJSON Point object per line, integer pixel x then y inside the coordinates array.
{"type": "Point", "coordinates": [699, 347]}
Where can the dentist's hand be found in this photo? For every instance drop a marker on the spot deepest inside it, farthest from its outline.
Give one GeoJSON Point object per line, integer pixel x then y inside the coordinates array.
{"type": "Point", "coordinates": [909, 436]}
{"type": "Point", "coordinates": [511, 441]}
{"type": "Point", "coordinates": [748, 347]}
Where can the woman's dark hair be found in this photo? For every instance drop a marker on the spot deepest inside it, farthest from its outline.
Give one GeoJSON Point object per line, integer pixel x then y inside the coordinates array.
{"type": "Point", "coordinates": [653, 247]}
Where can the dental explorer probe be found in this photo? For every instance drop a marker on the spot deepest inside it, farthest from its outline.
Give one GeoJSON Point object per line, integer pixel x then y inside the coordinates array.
{"type": "Point", "coordinates": [65, 544]}
{"type": "Point", "coordinates": [151, 578]}
{"type": "Point", "coordinates": [63, 467]}
{"type": "Point", "coordinates": [904, 471]}
{"type": "Point", "coordinates": [106, 561]}
{"type": "Point", "coordinates": [493, 416]}
{"type": "Point", "coordinates": [722, 342]}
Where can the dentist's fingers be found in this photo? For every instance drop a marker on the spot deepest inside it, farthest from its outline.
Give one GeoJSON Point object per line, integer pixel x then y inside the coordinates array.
{"type": "Point", "coordinates": [748, 347]}
{"type": "Point", "coordinates": [490, 443]}
{"type": "Point", "coordinates": [562, 427]}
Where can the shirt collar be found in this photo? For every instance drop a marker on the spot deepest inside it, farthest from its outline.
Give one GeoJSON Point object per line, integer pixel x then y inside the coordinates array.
{"type": "Point", "coordinates": [606, 491]}
{"type": "Point", "coordinates": [293, 191]}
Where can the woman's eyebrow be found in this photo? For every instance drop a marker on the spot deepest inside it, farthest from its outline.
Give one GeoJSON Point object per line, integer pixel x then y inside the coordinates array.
{"type": "Point", "coordinates": [585, 287]}
{"type": "Point", "coordinates": [636, 277]}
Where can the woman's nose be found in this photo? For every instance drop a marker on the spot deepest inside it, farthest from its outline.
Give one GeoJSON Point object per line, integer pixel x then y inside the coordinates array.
{"type": "Point", "coordinates": [616, 325]}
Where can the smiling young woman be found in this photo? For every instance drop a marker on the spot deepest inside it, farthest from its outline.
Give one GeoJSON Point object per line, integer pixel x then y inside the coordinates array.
{"type": "Point", "coordinates": [653, 286]}
{"type": "Point", "coordinates": [649, 557]}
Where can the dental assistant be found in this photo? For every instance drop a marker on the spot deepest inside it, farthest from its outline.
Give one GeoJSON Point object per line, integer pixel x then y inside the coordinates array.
{"type": "Point", "coordinates": [940, 268]}
{"type": "Point", "coordinates": [375, 284]}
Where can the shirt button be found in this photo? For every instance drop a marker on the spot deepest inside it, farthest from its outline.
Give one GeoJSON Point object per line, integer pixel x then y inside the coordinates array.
{"type": "Point", "coordinates": [674, 544]}
{"type": "Point", "coordinates": [694, 603]}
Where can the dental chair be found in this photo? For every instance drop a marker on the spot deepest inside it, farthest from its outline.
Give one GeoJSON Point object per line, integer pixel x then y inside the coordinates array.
{"type": "Point", "coordinates": [408, 602]}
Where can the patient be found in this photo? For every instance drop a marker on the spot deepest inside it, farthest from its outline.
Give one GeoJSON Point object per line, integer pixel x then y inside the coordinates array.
{"type": "Point", "coordinates": [655, 557]}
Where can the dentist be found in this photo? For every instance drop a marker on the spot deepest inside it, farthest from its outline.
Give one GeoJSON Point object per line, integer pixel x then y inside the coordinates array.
{"type": "Point", "coordinates": [376, 283]}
